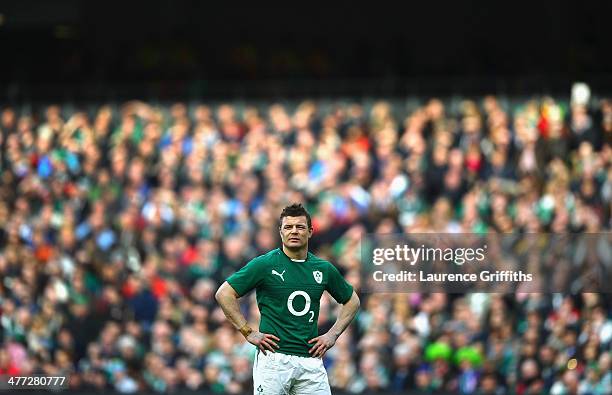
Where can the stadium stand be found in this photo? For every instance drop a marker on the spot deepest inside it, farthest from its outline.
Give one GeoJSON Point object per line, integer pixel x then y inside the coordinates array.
{"type": "Point", "coordinates": [119, 222]}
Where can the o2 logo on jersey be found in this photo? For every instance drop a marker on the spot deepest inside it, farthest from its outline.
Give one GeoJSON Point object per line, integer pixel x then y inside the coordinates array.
{"type": "Point", "coordinates": [304, 311]}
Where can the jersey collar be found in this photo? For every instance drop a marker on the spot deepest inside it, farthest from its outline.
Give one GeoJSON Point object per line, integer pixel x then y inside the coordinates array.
{"type": "Point", "coordinates": [291, 260]}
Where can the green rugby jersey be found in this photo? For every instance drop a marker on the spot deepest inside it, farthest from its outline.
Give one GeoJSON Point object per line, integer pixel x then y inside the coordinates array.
{"type": "Point", "coordinates": [289, 294]}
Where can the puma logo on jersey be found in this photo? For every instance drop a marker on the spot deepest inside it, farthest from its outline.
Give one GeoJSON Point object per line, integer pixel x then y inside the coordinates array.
{"type": "Point", "coordinates": [279, 274]}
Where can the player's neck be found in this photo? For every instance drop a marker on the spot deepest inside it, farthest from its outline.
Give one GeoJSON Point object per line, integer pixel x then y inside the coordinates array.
{"type": "Point", "coordinates": [300, 254]}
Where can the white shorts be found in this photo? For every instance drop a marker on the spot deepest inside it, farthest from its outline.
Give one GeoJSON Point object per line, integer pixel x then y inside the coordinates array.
{"type": "Point", "coordinates": [276, 374]}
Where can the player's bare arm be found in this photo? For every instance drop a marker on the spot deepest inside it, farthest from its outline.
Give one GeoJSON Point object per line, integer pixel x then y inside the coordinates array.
{"type": "Point", "coordinates": [227, 297]}
{"type": "Point", "coordinates": [325, 342]}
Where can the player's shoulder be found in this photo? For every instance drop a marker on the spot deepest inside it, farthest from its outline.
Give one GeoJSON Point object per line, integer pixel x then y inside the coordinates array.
{"type": "Point", "coordinates": [316, 260]}
{"type": "Point", "coordinates": [266, 257]}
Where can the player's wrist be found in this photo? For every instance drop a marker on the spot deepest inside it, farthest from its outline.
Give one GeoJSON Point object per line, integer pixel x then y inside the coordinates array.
{"type": "Point", "coordinates": [245, 330]}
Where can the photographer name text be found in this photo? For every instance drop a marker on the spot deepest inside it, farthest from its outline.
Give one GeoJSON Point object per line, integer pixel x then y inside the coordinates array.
{"type": "Point", "coordinates": [420, 276]}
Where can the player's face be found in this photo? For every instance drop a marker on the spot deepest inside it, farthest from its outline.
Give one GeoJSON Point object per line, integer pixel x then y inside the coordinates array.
{"type": "Point", "coordinates": [294, 232]}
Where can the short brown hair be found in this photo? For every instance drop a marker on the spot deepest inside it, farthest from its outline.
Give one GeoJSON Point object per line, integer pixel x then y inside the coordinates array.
{"type": "Point", "coordinates": [295, 210]}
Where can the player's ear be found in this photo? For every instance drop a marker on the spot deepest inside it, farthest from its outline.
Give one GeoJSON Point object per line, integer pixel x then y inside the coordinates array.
{"type": "Point", "coordinates": [310, 230]}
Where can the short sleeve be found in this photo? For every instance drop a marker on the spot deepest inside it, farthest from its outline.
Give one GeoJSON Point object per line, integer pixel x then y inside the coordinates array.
{"type": "Point", "coordinates": [337, 286]}
{"type": "Point", "coordinates": [247, 278]}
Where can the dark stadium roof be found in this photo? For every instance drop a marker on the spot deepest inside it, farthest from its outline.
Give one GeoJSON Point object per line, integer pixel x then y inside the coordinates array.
{"type": "Point", "coordinates": [76, 42]}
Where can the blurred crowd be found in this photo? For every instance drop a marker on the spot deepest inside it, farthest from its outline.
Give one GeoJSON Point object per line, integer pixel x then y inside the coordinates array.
{"type": "Point", "coordinates": [119, 224]}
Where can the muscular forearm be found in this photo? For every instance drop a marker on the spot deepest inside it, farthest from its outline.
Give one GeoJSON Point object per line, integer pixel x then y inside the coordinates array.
{"type": "Point", "coordinates": [347, 313]}
{"type": "Point", "coordinates": [228, 300]}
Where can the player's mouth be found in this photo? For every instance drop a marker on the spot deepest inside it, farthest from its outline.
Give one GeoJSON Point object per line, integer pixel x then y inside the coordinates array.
{"type": "Point", "coordinates": [294, 239]}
